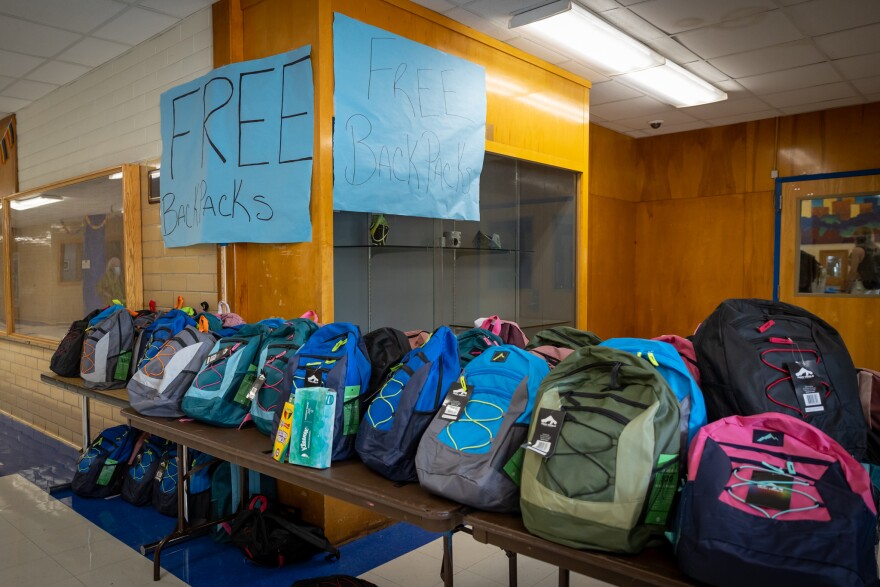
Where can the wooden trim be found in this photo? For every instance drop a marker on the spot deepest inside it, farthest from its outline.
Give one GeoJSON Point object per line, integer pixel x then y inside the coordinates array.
{"type": "Point", "coordinates": [134, 178]}
{"type": "Point", "coordinates": [536, 156]}
{"type": "Point", "coordinates": [323, 210]}
{"type": "Point", "coordinates": [45, 343]}
{"type": "Point", "coordinates": [582, 236]}
{"type": "Point", "coordinates": [485, 39]}
{"type": "Point", "coordinates": [7, 269]}
{"type": "Point", "coordinates": [66, 182]}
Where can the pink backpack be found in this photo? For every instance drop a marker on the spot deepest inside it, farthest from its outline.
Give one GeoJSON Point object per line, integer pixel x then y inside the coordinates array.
{"type": "Point", "coordinates": [552, 354]}
{"type": "Point", "coordinates": [510, 332]}
{"type": "Point", "coordinates": [685, 348]}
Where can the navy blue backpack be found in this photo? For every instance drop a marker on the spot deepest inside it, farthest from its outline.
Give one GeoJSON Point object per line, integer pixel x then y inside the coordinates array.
{"type": "Point", "coordinates": [137, 485]}
{"type": "Point", "coordinates": [157, 334]}
{"type": "Point", "coordinates": [166, 483]}
{"type": "Point", "coordinates": [99, 471]}
{"type": "Point", "coordinates": [400, 412]}
{"type": "Point", "coordinates": [335, 357]}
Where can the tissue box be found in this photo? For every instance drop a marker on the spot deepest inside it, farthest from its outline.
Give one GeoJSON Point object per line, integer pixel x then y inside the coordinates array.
{"type": "Point", "coordinates": [311, 438]}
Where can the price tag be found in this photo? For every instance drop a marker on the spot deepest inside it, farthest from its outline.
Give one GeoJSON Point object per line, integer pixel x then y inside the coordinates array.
{"type": "Point", "coordinates": [456, 399]}
{"type": "Point", "coordinates": [546, 433]}
{"type": "Point", "coordinates": [256, 387]}
{"type": "Point", "coordinates": [807, 386]}
{"type": "Point", "coordinates": [221, 354]}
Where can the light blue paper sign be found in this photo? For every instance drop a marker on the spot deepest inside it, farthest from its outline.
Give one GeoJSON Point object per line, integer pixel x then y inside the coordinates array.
{"type": "Point", "coordinates": [410, 128]}
{"type": "Point", "coordinates": [237, 154]}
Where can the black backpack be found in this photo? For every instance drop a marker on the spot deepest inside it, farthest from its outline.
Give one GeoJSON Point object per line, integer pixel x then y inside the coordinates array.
{"type": "Point", "coordinates": [66, 359]}
{"type": "Point", "coordinates": [100, 469]}
{"type": "Point", "coordinates": [271, 535]}
{"type": "Point", "coordinates": [869, 268]}
{"type": "Point", "coordinates": [759, 356]}
{"type": "Point", "coordinates": [137, 485]}
{"type": "Point", "coordinates": [385, 348]}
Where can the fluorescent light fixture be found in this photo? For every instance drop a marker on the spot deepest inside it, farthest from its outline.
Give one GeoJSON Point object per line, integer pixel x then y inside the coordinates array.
{"type": "Point", "coordinates": [587, 37]}
{"type": "Point", "coordinates": [34, 202]}
{"type": "Point", "coordinates": [117, 175]}
{"type": "Point", "coordinates": [673, 85]}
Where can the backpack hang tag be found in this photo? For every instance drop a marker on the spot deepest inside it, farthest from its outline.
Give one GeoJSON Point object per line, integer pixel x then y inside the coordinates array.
{"type": "Point", "coordinates": [242, 396]}
{"type": "Point", "coordinates": [351, 409]}
{"type": "Point", "coordinates": [456, 399]}
{"type": "Point", "coordinates": [769, 490]}
{"type": "Point", "coordinates": [663, 489]}
{"type": "Point", "coordinates": [256, 387]}
{"type": "Point", "coordinates": [546, 434]}
{"type": "Point", "coordinates": [160, 472]}
{"type": "Point", "coordinates": [123, 364]}
{"type": "Point", "coordinates": [315, 376]}
{"type": "Point", "coordinates": [106, 474]}
{"type": "Point", "coordinates": [806, 386]}
{"type": "Point", "coordinates": [221, 354]}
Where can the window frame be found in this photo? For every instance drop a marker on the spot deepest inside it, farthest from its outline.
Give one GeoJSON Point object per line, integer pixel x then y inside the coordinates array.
{"type": "Point", "coordinates": [133, 184]}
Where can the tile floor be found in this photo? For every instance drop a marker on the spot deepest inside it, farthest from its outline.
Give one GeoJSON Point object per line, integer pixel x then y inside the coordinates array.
{"type": "Point", "coordinates": [68, 541]}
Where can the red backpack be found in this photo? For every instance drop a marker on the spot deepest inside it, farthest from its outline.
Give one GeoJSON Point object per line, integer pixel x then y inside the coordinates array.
{"type": "Point", "coordinates": [685, 348]}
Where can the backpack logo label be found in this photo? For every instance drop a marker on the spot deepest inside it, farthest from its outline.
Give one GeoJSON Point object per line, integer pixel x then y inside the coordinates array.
{"type": "Point", "coordinates": [804, 373]}
{"type": "Point", "coordinates": [546, 433]}
{"type": "Point", "coordinates": [315, 376]}
{"type": "Point", "coordinates": [550, 422]}
{"type": "Point", "coordinates": [768, 438]}
{"type": "Point", "coordinates": [500, 356]}
{"type": "Point", "coordinates": [809, 389]}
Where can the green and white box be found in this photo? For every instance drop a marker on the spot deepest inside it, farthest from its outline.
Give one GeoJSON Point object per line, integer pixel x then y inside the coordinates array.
{"type": "Point", "coordinates": [311, 438]}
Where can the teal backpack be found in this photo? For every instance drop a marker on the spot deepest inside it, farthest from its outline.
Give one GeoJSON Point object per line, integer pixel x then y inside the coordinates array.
{"type": "Point", "coordinates": [226, 495]}
{"type": "Point", "coordinates": [219, 393]}
{"type": "Point", "coordinates": [473, 342]}
{"type": "Point", "coordinates": [274, 388]}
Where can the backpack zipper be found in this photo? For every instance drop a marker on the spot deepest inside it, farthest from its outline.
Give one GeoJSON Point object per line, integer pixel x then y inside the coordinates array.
{"type": "Point", "coordinates": [596, 410]}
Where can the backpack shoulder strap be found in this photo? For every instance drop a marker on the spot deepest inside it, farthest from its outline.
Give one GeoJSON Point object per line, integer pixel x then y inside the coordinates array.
{"type": "Point", "coordinates": [316, 541]}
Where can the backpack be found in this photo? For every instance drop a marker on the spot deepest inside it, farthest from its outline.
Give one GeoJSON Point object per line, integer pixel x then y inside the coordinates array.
{"type": "Point", "coordinates": [400, 412]}
{"type": "Point", "coordinates": [749, 351]}
{"type": "Point", "coordinates": [508, 331]}
{"type": "Point", "coordinates": [565, 337]}
{"type": "Point", "coordinates": [473, 342]}
{"type": "Point", "coordinates": [869, 392]}
{"type": "Point", "coordinates": [100, 469]}
{"type": "Point", "coordinates": [66, 359]}
{"type": "Point", "coordinates": [610, 478]}
{"type": "Point", "coordinates": [335, 357]}
{"type": "Point", "coordinates": [869, 268]}
{"type": "Point", "coordinates": [771, 500]}
{"type": "Point", "coordinates": [158, 387]}
{"type": "Point", "coordinates": [219, 393]}
{"type": "Point", "coordinates": [664, 358]}
{"type": "Point", "coordinates": [468, 459]}
{"type": "Point", "coordinates": [552, 354]}
{"type": "Point", "coordinates": [416, 338]}
{"type": "Point", "coordinates": [226, 496]}
{"type": "Point", "coordinates": [276, 351]}
{"type": "Point", "coordinates": [137, 484]}
{"type": "Point", "coordinates": [386, 347]}
{"type": "Point", "coordinates": [157, 333]}
{"type": "Point", "coordinates": [166, 483]}
{"type": "Point", "coordinates": [106, 356]}
{"type": "Point", "coordinates": [272, 535]}
{"type": "Point", "coordinates": [685, 350]}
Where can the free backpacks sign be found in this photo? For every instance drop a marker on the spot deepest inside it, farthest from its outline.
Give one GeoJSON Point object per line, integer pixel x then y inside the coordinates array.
{"type": "Point", "coordinates": [410, 126]}
{"type": "Point", "coordinates": [237, 153]}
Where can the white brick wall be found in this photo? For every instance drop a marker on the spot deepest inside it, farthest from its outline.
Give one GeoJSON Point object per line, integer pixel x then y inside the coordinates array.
{"type": "Point", "coordinates": [110, 115]}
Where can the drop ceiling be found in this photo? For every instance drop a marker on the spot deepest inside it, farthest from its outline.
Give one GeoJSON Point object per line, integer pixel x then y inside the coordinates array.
{"type": "Point", "coordinates": [772, 57]}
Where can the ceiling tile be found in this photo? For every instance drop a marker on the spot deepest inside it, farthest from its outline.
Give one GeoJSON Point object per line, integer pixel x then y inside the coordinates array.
{"type": "Point", "coordinates": [16, 64]}
{"type": "Point", "coordinates": [726, 108]}
{"type": "Point", "coordinates": [859, 66]}
{"type": "Point", "coordinates": [675, 16]}
{"type": "Point", "coordinates": [762, 30]}
{"type": "Point", "coordinates": [12, 104]}
{"type": "Point", "coordinates": [135, 26]}
{"type": "Point", "coordinates": [538, 50]}
{"type": "Point", "coordinates": [81, 16]}
{"type": "Point", "coordinates": [93, 52]}
{"type": "Point", "coordinates": [791, 79]}
{"type": "Point", "coordinates": [824, 105]}
{"type": "Point", "coordinates": [611, 91]}
{"type": "Point", "coordinates": [632, 24]}
{"type": "Point", "coordinates": [852, 42]}
{"type": "Point", "coordinates": [705, 71]}
{"type": "Point", "coordinates": [602, 5]}
{"type": "Point", "coordinates": [5, 81]}
{"type": "Point", "coordinates": [28, 90]}
{"type": "Point", "coordinates": [34, 39]}
{"type": "Point", "coordinates": [56, 72]}
{"type": "Point", "coordinates": [643, 106]}
{"type": "Point", "coordinates": [672, 128]}
{"type": "Point", "coordinates": [868, 85]}
{"type": "Point", "coordinates": [672, 50]}
{"type": "Point", "coordinates": [746, 117]}
{"type": "Point", "coordinates": [734, 90]}
{"type": "Point", "coordinates": [775, 58]}
{"type": "Point", "coordinates": [499, 11]}
{"type": "Point", "coordinates": [827, 16]}
{"type": "Point", "coordinates": [183, 8]}
{"type": "Point", "coordinates": [481, 24]}
{"type": "Point", "coordinates": [669, 118]}
{"type": "Point", "coordinates": [584, 71]}
{"type": "Point", "coordinates": [810, 95]}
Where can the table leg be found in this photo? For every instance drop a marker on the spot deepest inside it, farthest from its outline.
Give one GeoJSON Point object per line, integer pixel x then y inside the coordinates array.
{"type": "Point", "coordinates": [87, 436]}
{"type": "Point", "coordinates": [511, 567]}
{"type": "Point", "coordinates": [563, 577]}
{"type": "Point", "coordinates": [181, 531]}
{"type": "Point", "coordinates": [446, 571]}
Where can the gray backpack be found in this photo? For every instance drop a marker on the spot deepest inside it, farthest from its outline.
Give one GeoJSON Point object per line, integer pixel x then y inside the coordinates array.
{"type": "Point", "coordinates": [106, 357]}
{"type": "Point", "coordinates": [158, 387]}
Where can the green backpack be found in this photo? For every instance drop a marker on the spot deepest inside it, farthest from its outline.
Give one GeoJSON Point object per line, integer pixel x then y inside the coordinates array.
{"type": "Point", "coordinates": [610, 478]}
{"type": "Point", "coordinates": [564, 337]}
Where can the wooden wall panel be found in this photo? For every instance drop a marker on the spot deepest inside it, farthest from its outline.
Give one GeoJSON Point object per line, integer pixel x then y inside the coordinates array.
{"type": "Point", "coordinates": [611, 278]}
{"type": "Point", "coordinates": [614, 167]}
{"type": "Point", "coordinates": [757, 245]}
{"type": "Point", "coordinates": [688, 258]}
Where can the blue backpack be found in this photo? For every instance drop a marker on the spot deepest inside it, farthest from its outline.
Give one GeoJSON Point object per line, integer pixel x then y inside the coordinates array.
{"type": "Point", "coordinates": [157, 333]}
{"type": "Point", "coordinates": [137, 485]}
{"type": "Point", "coordinates": [471, 459]}
{"type": "Point", "coordinates": [335, 357]}
{"type": "Point", "coordinates": [397, 417]}
{"type": "Point", "coordinates": [167, 481]}
{"type": "Point", "coordinates": [100, 470]}
{"type": "Point", "coordinates": [277, 350]}
{"type": "Point", "coordinates": [671, 367]}
{"type": "Point", "coordinates": [218, 394]}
